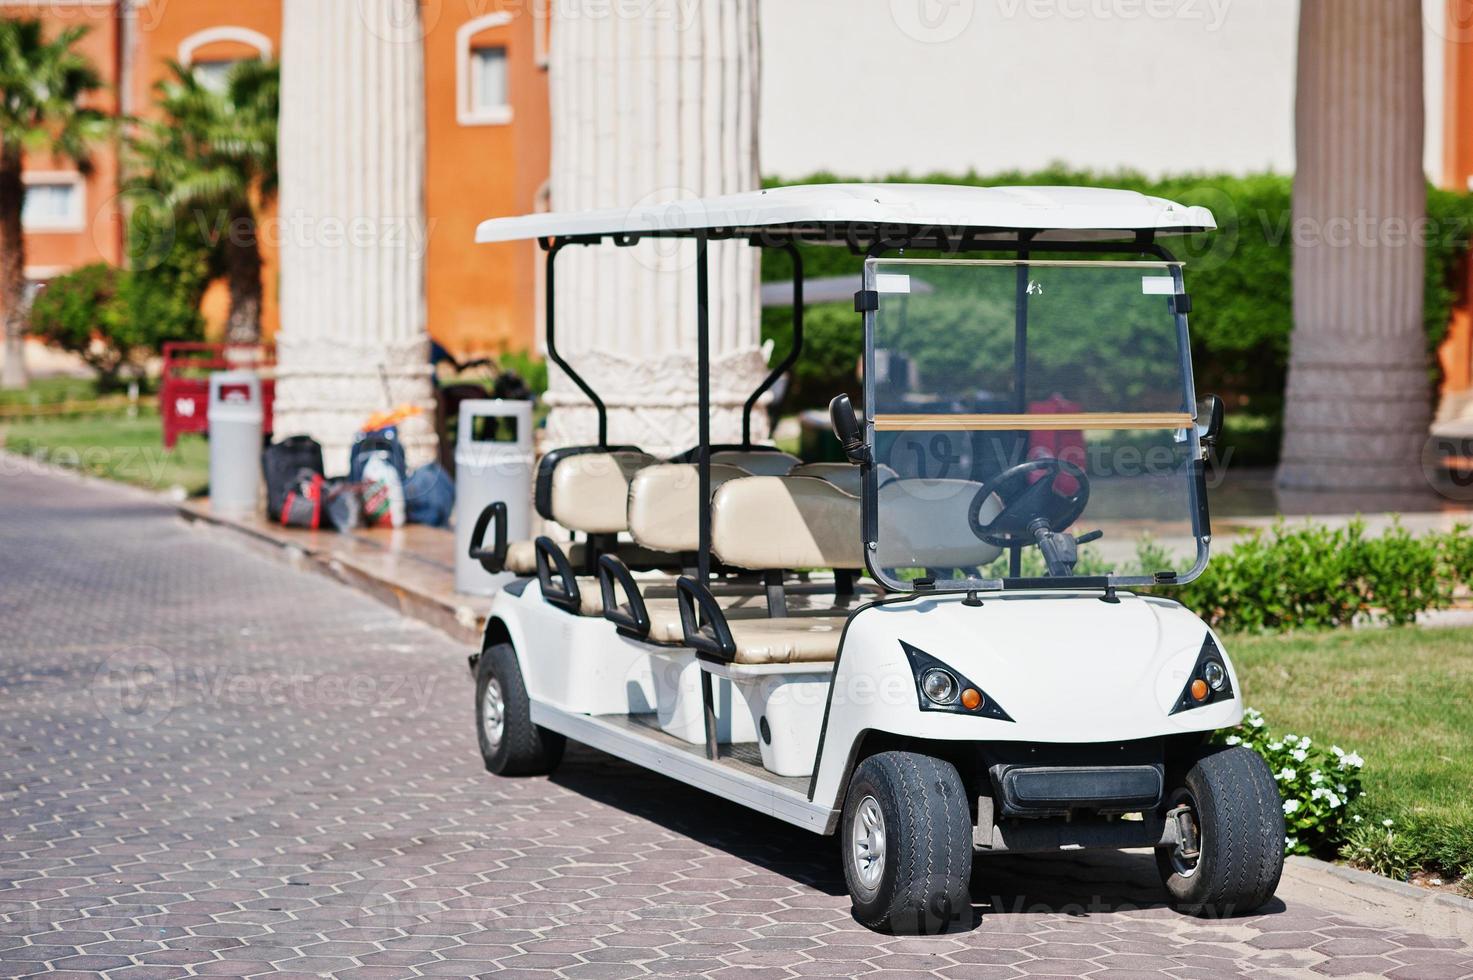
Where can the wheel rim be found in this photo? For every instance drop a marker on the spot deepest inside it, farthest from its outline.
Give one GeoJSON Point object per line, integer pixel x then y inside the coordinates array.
{"type": "Point", "coordinates": [493, 714]}
{"type": "Point", "coordinates": [867, 835]}
{"type": "Point", "coordinates": [1180, 864]}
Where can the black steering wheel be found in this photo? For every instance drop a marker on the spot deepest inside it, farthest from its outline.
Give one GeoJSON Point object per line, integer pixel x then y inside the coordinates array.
{"type": "Point", "coordinates": [1025, 502]}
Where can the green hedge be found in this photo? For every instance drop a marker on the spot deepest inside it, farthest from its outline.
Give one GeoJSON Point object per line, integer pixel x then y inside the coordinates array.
{"type": "Point", "coordinates": [1315, 577]}
{"type": "Point", "coordinates": [1240, 279]}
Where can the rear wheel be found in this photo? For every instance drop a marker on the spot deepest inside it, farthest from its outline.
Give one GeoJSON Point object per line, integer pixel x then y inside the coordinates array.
{"type": "Point", "coordinates": [510, 744]}
{"type": "Point", "coordinates": [1230, 817]}
{"type": "Point", "coordinates": [907, 844]}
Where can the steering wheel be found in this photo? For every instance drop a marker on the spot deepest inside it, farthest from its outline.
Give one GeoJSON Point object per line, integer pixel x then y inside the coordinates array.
{"type": "Point", "coordinates": [1026, 501]}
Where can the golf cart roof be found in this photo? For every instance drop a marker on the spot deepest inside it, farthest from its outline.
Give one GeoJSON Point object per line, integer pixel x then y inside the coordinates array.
{"type": "Point", "coordinates": [842, 214]}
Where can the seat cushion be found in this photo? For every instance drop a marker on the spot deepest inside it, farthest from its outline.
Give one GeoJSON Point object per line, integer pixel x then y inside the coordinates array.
{"type": "Point", "coordinates": [756, 462]}
{"type": "Point", "coordinates": [792, 640]}
{"type": "Point", "coordinates": [664, 504]}
{"type": "Point", "coordinates": [786, 522]}
{"type": "Point", "coordinates": [521, 557]}
{"type": "Point", "coordinates": [589, 491]}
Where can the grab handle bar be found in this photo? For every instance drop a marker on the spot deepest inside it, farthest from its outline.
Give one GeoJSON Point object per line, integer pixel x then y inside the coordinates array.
{"type": "Point", "coordinates": [709, 633]}
{"type": "Point", "coordinates": [492, 559]}
{"type": "Point", "coordinates": [562, 593]}
{"type": "Point", "coordinates": [632, 617]}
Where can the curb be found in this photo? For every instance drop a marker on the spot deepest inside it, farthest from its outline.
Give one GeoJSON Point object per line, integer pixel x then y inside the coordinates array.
{"type": "Point", "coordinates": [1367, 879]}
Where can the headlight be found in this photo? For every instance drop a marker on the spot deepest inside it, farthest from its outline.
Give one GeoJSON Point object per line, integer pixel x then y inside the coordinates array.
{"type": "Point", "coordinates": [939, 685]}
{"type": "Point", "coordinates": [1214, 675]}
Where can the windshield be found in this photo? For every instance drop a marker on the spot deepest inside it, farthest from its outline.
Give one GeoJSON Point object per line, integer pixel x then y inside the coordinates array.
{"type": "Point", "coordinates": [1031, 421]}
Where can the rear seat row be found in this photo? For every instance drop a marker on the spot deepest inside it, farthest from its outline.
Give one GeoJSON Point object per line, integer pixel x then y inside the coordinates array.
{"type": "Point", "coordinates": [771, 515]}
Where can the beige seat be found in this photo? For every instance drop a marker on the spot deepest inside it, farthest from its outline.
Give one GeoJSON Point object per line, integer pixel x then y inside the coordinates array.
{"type": "Point", "coordinates": [590, 491]}
{"type": "Point", "coordinates": [666, 628]}
{"type": "Point", "coordinates": [664, 504]}
{"type": "Point", "coordinates": [795, 522]}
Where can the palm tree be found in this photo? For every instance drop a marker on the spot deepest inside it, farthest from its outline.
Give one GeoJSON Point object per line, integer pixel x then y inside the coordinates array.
{"type": "Point", "coordinates": [213, 159]}
{"type": "Point", "coordinates": [42, 87]}
{"type": "Point", "coordinates": [1357, 407]}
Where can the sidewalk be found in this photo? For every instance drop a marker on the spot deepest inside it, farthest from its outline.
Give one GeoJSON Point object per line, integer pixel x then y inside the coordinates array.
{"type": "Point", "coordinates": [411, 569]}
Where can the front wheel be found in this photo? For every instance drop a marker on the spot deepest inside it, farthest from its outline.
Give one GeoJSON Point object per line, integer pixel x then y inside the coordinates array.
{"type": "Point", "coordinates": [510, 744]}
{"type": "Point", "coordinates": [1230, 819]}
{"type": "Point", "coordinates": [907, 841]}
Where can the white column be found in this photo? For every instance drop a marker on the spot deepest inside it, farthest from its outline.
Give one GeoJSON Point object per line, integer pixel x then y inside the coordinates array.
{"type": "Point", "coordinates": [644, 109]}
{"type": "Point", "coordinates": [1357, 405]}
{"type": "Point", "coordinates": [352, 338]}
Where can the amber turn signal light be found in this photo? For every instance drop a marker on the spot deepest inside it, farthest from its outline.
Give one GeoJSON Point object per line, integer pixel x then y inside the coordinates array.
{"type": "Point", "coordinates": [971, 700]}
{"type": "Point", "coordinates": [1199, 690]}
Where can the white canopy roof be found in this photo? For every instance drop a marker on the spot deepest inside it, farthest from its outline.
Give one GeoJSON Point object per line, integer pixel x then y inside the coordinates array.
{"type": "Point", "coordinates": [825, 211]}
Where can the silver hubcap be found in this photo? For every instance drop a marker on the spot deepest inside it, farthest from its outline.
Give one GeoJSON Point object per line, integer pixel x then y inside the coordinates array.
{"type": "Point", "coordinates": [493, 713]}
{"type": "Point", "coordinates": [868, 836]}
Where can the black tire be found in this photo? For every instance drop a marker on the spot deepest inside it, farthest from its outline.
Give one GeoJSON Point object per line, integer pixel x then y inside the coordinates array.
{"type": "Point", "coordinates": [925, 848]}
{"type": "Point", "coordinates": [523, 749]}
{"type": "Point", "coordinates": [1241, 819]}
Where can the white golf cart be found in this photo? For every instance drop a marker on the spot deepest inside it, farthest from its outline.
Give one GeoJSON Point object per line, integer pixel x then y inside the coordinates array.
{"type": "Point", "coordinates": [930, 649]}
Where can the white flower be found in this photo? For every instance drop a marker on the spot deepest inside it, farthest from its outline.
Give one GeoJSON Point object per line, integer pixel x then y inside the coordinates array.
{"type": "Point", "coordinates": [1316, 777]}
{"type": "Point", "coordinates": [1337, 750]}
{"type": "Point", "coordinates": [1356, 818]}
{"type": "Point", "coordinates": [1290, 738]}
{"type": "Point", "coordinates": [1353, 760]}
{"type": "Point", "coordinates": [1299, 755]}
{"type": "Point", "coordinates": [1286, 773]}
{"type": "Point", "coordinates": [1290, 806]}
{"type": "Point", "coordinates": [1304, 742]}
{"type": "Point", "coordinates": [1256, 720]}
{"type": "Point", "coordinates": [1340, 788]}
{"type": "Point", "coordinates": [1291, 842]}
{"type": "Point", "coordinates": [1233, 740]}
{"type": "Point", "coordinates": [1387, 822]}
{"type": "Point", "coordinates": [1275, 746]}
{"type": "Point", "coordinates": [1335, 801]}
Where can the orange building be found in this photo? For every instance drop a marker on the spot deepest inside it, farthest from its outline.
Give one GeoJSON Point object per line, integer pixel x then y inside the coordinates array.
{"type": "Point", "coordinates": [487, 132]}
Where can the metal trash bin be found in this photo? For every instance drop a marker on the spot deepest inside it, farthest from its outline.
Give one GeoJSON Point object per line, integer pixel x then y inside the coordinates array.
{"type": "Point", "coordinates": [493, 465]}
{"type": "Point", "coordinates": [235, 416]}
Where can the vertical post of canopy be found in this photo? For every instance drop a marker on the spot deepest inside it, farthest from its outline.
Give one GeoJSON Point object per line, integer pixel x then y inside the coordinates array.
{"type": "Point", "coordinates": [703, 464]}
{"type": "Point", "coordinates": [552, 249]}
{"type": "Point", "coordinates": [792, 357]}
{"type": "Point", "coordinates": [1020, 376]}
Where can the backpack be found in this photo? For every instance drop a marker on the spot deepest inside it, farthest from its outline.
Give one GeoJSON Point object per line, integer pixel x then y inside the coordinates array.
{"type": "Point", "coordinates": [429, 496]}
{"type": "Point", "coordinates": [368, 443]}
{"type": "Point", "coordinates": [282, 464]}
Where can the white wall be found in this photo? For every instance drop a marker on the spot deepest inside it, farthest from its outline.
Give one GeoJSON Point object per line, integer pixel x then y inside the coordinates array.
{"type": "Point", "coordinates": [874, 87]}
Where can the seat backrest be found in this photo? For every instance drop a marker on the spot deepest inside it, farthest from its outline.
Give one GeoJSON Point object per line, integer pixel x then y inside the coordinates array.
{"type": "Point", "coordinates": [664, 504]}
{"type": "Point", "coordinates": [586, 488]}
{"type": "Point", "coordinates": [785, 522]}
{"type": "Point", "coordinates": [757, 462]}
{"type": "Point", "coordinates": [929, 518]}
{"type": "Point", "coordinates": [845, 476]}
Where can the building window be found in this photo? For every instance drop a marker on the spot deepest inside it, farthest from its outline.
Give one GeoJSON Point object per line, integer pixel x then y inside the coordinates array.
{"type": "Point", "coordinates": [488, 81]}
{"type": "Point", "coordinates": [214, 75]}
{"type": "Point", "coordinates": [53, 203]}
{"type": "Point", "coordinates": [483, 88]}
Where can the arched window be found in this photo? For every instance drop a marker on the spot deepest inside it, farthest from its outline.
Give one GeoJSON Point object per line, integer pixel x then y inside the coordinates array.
{"type": "Point", "coordinates": [483, 72]}
{"type": "Point", "coordinates": [212, 53]}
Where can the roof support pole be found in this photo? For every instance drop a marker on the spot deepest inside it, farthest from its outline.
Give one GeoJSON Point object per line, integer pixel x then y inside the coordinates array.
{"type": "Point", "coordinates": [793, 354]}
{"type": "Point", "coordinates": [552, 352]}
{"type": "Point", "coordinates": [1020, 376]}
{"type": "Point", "coordinates": [703, 464]}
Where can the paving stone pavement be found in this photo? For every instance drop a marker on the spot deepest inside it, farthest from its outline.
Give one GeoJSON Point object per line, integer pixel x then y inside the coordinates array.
{"type": "Point", "coordinates": [213, 765]}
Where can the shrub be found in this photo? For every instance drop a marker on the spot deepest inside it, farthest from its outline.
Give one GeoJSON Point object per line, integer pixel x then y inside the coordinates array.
{"type": "Point", "coordinates": [1314, 577]}
{"type": "Point", "coordinates": [1318, 785]}
{"type": "Point", "coordinates": [1377, 847]}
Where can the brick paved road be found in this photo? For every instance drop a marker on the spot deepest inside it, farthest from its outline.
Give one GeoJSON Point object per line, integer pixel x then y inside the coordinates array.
{"type": "Point", "coordinates": [213, 765]}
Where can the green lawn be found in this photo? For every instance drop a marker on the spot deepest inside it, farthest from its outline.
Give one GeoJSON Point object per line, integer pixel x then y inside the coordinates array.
{"type": "Point", "coordinates": [1403, 699]}
{"type": "Point", "coordinates": [114, 446]}
{"type": "Point", "coordinates": [50, 391]}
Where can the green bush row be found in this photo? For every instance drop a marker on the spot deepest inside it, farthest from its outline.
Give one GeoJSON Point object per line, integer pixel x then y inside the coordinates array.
{"type": "Point", "coordinates": [1240, 278]}
{"type": "Point", "coordinates": [1316, 577]}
